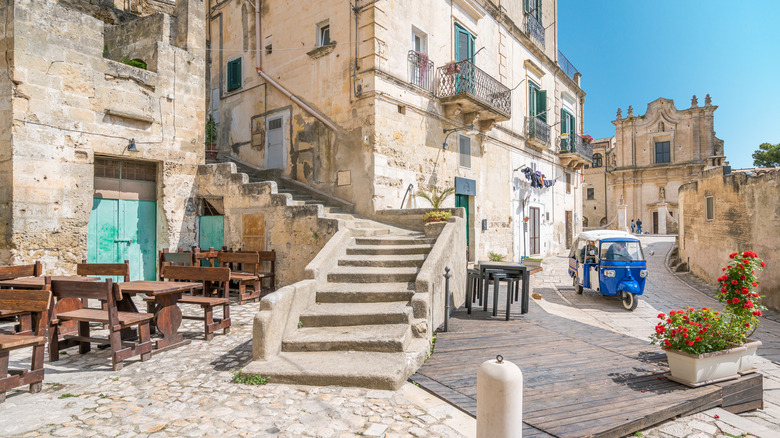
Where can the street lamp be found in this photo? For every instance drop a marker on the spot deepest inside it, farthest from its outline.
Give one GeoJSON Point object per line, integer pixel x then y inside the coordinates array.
{"type": "Point", "coordinates": [470, 130]}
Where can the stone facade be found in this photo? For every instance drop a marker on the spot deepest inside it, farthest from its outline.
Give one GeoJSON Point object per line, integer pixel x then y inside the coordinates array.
{"type": "Point", "coordinates": [596, 210]}
{"type": "Point", "coordinates": [376, 112]}
{"type": "Point", "coordinates": [256, 219]}
{"type": "Point", "coordinates": [744, 215]}
{"type": "Point", "coordinates": [655, 154]}
{"type": "Point", "coordinates": [65, 104]}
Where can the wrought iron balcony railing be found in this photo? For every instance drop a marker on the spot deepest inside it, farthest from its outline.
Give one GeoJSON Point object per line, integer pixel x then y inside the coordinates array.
{"type": "Point", "coordinates": [537, 129]}
{"type": "Point", "coordinates": [421, 72]}
{"type": "Point", "coordinates": [574, 144]}
{"type": "Point", "coordinates": [534, 29]}
{"type": "Point", "coordinates": [567, 66]}
{"type": "Point", "coordinates": [465, 77]}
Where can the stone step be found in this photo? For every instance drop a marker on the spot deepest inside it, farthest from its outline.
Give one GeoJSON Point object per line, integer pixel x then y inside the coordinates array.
{"type": "Point", "coordinates": [337, 314]}
{"type": "Point", "coordinates": [386, 371]}
{"type": "Point", "coordinates": [367, 232]}
{"type": "Point", "coordinates": [357, 274]}
{"type": "Point", "coordinates": [365, 224]}
{"type": "Point", "coordinates": [377, 338]}
{"type": "Point", "coordinates": [395, 240]}
{"type": "Point", "coordinates": [384, 261]}
{"type": "Point", "coordinates": [364, 293]}
{"type": "Point", "coordinates": [389, 249]}
{"type": "Point", "coordinates": [344, 217]}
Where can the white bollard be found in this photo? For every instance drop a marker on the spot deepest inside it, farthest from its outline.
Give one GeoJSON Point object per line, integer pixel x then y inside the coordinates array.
{"type": "Point", "coordinates": [499, 400]}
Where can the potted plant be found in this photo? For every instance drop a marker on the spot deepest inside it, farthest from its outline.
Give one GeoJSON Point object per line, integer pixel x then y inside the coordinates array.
{"type": "Point", "coordinates": [706, 346]}
{"type": "Point", "coordinates": [211, 138]}
{"type": "Point", "coordinates": [435, 220]}
{"type": "Point", "coordinates": [451, 68]}
{"type": "Point", "coordinates": [587, 139]}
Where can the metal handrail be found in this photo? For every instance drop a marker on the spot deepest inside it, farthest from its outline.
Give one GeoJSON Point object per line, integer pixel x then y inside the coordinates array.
{"type": "Point", "coordinates": [408, 189]}
{"type": "Point", "coordinates": [421, 71]}
{"type": "Point", "coordinates": [538, 129]}
{"type": "Point", "coordinates": [465, 77]}
{"type": "Point", "coordinates": [567, 66]}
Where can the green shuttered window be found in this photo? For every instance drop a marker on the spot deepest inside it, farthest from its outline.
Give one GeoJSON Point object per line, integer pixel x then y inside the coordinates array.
{"type": "Point", "coordinates": [234, 74]}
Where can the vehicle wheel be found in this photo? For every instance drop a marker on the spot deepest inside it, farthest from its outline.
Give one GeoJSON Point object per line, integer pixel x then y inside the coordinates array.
{"type": "Point", "coordinates": [630, 301]}
{"type": "Point", "coordinates": [577, 287]}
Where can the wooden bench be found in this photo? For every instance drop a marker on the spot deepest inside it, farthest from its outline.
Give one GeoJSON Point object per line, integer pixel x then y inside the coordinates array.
{"type": "Point", "coordinates": [36, 302]}
{"type": "Point", "coordinates": [207, 303]}
{"type": "Point", "coordinates": [180, 258]}
{"type": "Point", "coordinates": [24, 324]}
{"type": "Point", "coordinates": [104, 291]}
{"type": "Point", "coordinates": [244, 267]}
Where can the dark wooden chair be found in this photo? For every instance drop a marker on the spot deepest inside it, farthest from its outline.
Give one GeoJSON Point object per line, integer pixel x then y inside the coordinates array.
{"type": "Point", "coordinates": [181, 258]}
{"type": "Point", "coordinates": [36, 302]}
{"type": "Point", "coordinates": [104, 291]}
{"type": "Point", "coordinates": [209, 256]}
{"type": "Point", "coordinates": [104, 269]}
{"type": "Point", "coordinates": [244, 267]}
{"type": "Point", "coordinates": [24, 324]}
{"type": "Point", "coordinates": [219, 276]}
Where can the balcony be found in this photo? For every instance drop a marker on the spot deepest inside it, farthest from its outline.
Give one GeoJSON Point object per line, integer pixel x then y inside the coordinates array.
{"type": "Point", "coordinates": [537, 133]}
{"type": "Point", "coordinates": [574, 153]}
{"type": "Point", "coordinates": [567, 66]}
{"type": "Point", "coordinates": [421, 72]}
{"type": "Point", "coordinates": [534, 29]}
{"type": "Point", "coordinates": [467, 90]}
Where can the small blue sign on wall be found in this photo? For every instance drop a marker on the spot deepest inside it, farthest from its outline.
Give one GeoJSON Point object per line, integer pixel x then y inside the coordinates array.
{"type": "Point", "coordinates": [465, 186]}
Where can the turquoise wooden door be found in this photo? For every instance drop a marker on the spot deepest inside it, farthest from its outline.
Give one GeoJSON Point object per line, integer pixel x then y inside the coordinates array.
{"type": "Point", "coordinates": [211, 234]}
{"type": "Point", "coordinates": [463, 201]}
{"type": "Point", "coordinates": [120, 230]}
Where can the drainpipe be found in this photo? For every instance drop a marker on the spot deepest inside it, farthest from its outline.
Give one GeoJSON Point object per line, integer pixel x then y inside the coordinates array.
{"type": "Point", "coordinates": [259, 68]}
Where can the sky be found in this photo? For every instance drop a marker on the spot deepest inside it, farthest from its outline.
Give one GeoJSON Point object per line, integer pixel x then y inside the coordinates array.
{"type": "Point", "coordinates": [631, 52]}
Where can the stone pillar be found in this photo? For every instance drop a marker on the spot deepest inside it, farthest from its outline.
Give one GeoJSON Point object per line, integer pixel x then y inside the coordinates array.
{"type": "Point", "coordinates": [663, 212]}
{"type": "Point", "coordinates": [190, 30]}
{"type": "Point", "coordinates": [622, 225]}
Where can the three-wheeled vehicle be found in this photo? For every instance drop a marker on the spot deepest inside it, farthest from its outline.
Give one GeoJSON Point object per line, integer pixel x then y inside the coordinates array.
{"type": "Point", "coordinates": [610, 262]}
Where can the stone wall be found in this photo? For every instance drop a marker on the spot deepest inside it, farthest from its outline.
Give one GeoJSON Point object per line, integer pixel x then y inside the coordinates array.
{"type": "Point", "coordinates": [296, 232]}
{"type": "Point", "coordinates": [746, 217]}
{"type": "Point", "coordinates": [71, 104]}
{"type": "Point", "coordinates": [137, 39]}
{"type": "Point", "coordinates": [6, 135]}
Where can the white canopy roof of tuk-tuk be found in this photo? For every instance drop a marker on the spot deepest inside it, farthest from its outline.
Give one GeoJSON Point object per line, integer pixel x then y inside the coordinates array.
{"type": "Point", "coordinates": [605, 234]}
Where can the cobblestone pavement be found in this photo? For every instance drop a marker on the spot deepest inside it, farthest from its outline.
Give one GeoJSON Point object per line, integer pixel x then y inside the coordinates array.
{"type": "Point", "coordinates": [665, 291]}
{"type": "Point", "coordinates": [187, 391]}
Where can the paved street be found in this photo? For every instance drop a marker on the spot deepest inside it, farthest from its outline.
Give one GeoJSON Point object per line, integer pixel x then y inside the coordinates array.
{"type": "Point", "coordinates": [666, 291]}
{"type": "Point", "coordinates": [188, 391]}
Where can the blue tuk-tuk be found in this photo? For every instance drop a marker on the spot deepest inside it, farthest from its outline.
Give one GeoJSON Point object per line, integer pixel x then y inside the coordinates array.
{"type": "Point", "coordinates": [609, 262]}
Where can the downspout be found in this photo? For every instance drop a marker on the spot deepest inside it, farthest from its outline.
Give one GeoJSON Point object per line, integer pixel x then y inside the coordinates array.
{"type": "Point", "coordinates": [259, 68]}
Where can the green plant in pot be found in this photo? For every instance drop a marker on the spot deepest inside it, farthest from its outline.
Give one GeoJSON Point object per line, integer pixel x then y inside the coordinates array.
{"type": "Point", "coordinates": [706, 346]}
{"type": "Point", "coordinates": [436, 199]}
{"type": "Point", "coordinates": [211, 138]}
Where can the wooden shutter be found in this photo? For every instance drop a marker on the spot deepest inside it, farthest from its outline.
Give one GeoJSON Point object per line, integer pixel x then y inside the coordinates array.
{"type": "Point", "coordinates": [541, 105]}
{"type": "Point", "coordinates": [234, 74]}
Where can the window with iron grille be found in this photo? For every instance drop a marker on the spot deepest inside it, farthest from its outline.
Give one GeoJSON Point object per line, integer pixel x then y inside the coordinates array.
{"type": "Point", "coordinates": [465, 151]}
{"type": "Point", "coordinates": [662, 152]}
{"type": "Point", "coordinates": [234, 74]}
{"type": "Point", "coordinates": [710, 208]}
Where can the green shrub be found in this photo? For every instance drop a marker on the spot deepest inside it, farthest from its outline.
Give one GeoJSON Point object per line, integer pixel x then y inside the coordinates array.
{"type": "Point", "coordinates": [495, 257]}
{"type": "Point", "coordinates": [135, 62]}
{"type": "Point", "coordinates": [436, 216]}
{"type": "Point", "coordinates": [249, 379]}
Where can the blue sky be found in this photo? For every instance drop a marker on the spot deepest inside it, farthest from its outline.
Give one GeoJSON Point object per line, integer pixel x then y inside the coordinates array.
{"type": "Point", "coordinates": [631, 52]}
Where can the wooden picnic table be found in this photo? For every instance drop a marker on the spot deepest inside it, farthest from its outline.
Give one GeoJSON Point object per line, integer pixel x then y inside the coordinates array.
{"type": "Point", "coordinates": [167, 315]}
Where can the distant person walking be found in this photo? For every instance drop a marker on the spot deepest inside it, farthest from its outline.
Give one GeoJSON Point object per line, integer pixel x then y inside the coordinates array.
{"type": "Point", "coordinates": [633, 226]}
{"type": "Point", "coordinates": [639, 225]}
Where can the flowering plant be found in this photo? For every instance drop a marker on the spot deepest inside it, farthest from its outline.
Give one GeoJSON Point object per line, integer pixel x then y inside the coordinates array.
{"type": "Point", "coordinates": [587, 139]}
{"type": "Point", "coordinates": [698, 331]}
{"type": "Point", "coordinates": [737, 286]}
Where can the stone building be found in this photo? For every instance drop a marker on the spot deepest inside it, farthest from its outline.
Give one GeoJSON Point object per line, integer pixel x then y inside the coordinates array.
{"type": "Point", "coordinates": [656, 153]}
{"type": "Point", "coordinates": [98, 156]}
{"type": "Point", "coordinates": [370, 101]}
{"type": "Point", "coordinates": [596, 210]}
{"type": "Point", "coordinates": [725, 212]}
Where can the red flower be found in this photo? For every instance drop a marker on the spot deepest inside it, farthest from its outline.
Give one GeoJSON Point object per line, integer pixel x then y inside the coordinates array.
{"type": "Point", "coordinates": [747, 324]}
{"type": "Point", "coordinates": [757, 313]}
{"type": "Point", "coordinates": [697, 339]}
{"type": "Point", "coordinates": [685, 335]}
{"type": "Point", "coordinates": [734, 282]}
{"type": "Point", "coordinates": [754, 284]}
{"type": "Point", "coordinates": [735, 300]}
{"type": "Point", "coordinates": [689, 343]}
{"type": "Point", "coordinates": [742, 277]}
{"type": "Point", "coordinates": [668, 319]}
{"type": "Point", "coordinates": [731, 256]}
{"type": "Point", "coordinates": [740, 266]}
{"type": "Point", "coordinates": [661, 316]}
{"type": "Point", "coordinates": [723, 269]}
{"type": "Point", "coordinates": [763, 264]}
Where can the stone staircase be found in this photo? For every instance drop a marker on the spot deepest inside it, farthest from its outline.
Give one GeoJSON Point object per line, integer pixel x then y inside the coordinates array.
{"type": "Point", "coordinates": [361, 331]}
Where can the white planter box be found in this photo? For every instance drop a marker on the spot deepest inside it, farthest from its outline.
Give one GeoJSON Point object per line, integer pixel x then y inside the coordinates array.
{"type": "Point", "coordinates": [697, 370]}
{"type": "Point", "coordinates": [748, 362]}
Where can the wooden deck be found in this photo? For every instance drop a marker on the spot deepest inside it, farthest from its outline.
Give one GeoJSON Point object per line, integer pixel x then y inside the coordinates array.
{"type": "Point", "coordinates": [578, 380]}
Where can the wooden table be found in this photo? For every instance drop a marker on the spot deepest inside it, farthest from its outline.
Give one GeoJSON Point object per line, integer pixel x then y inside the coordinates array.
{"type": "Point", "coordinates": [167, 315]}
{"type": "Point", "coordinates": [515, 268]}
{"type": "Point", "coordinates": [39, 282]}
